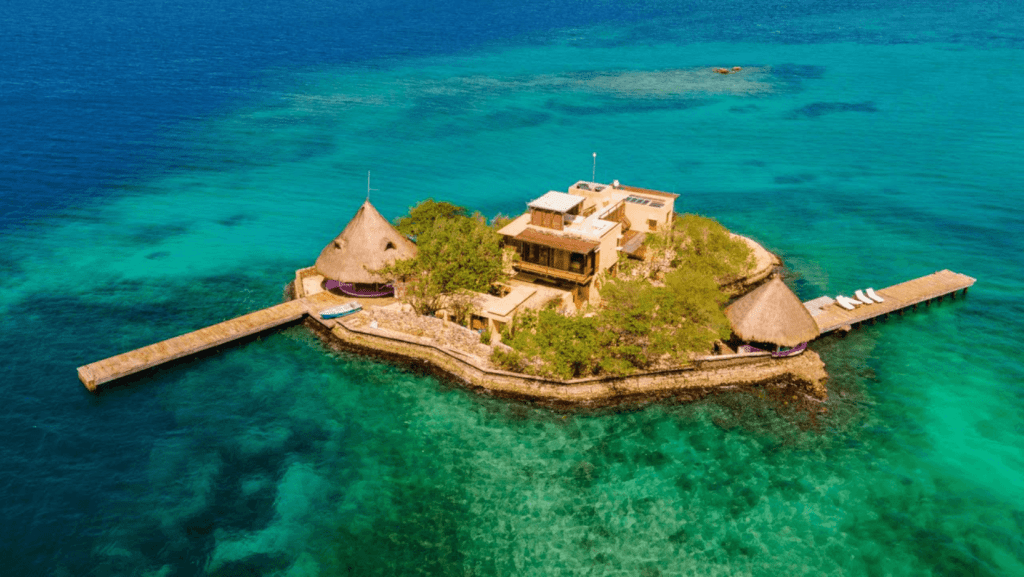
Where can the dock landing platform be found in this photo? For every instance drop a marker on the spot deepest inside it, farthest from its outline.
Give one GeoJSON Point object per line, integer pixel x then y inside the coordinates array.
{"type": "Point", "coordinates": [831, 316]}
{"type": "Point", "coordinates": [95, 374]}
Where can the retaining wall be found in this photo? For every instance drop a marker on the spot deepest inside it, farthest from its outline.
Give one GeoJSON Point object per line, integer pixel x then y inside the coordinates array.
{"type": "Point", "coordinates": [687, 383]}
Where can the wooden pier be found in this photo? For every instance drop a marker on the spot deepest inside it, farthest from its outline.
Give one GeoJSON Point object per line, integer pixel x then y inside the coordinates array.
{"type": "Point", "coordinates": [95, 374]}
{"type": "Point", "coordinates": [936, 286]}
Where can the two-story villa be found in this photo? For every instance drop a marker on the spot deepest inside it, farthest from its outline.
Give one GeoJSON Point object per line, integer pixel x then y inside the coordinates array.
{"type": "Point", "coordinates": [567, 239]}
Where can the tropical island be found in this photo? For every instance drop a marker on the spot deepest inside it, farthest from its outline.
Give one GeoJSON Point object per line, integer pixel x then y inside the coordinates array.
{"type": "Point", "coordinates": [598, 295]}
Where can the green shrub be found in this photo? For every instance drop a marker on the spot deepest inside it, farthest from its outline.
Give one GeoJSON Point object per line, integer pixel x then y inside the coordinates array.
{"type": "Point", "coordinates": [704, 245]}
{"type": "Point", "coordinates": [508, 360]}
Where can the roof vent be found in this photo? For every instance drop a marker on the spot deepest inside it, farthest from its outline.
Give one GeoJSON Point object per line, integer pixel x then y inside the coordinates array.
{"type": "Point", "coordinates": [615, 184]}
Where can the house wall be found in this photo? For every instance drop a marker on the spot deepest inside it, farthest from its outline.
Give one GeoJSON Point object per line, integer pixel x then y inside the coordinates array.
{"type": "Point", "coordinates": [640, 215]}
{"type": "Point", "coordinates": [595, 201]}
{"type": "Point", "coordinates": [607, 253]}
{"type": "Point", "coordinates": [546, 218]}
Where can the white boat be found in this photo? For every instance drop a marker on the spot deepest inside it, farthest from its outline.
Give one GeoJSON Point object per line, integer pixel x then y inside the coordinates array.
{"type": "Point", "coordinates": [341, 310]}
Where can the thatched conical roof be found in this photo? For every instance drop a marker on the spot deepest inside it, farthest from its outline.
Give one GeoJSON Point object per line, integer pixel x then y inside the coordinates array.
{"type": "Point", "coordinates": [368, 243]}
{"type": "Point", "coordinates": [771, 313]}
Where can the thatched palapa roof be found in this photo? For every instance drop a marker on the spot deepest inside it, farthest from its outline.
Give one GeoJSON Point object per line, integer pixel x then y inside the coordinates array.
{"type": "Point", "coordinates": [771, 313]}
{"type": "Point", "coordinates": [368, 243]}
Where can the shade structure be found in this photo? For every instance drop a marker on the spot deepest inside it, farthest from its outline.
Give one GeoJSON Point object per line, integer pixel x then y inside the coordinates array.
{"type": "Point", "coordinates": [368, 243]}
{"type": "Point", "coordinates": [771, 313]}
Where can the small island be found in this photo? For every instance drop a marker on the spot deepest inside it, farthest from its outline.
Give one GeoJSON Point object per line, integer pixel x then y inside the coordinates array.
{"type": "Point", "coordinates": [596, 296]}
{"type": "Point", "coordinates": [602, 295]}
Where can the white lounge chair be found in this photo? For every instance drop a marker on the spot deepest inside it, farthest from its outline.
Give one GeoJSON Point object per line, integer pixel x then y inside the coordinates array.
{"type": "Point", "coordinates": [874, 296]}
{"type": "Point", "coordinates": [845, 303]}
{"type": "Point", "coordinates": [863, 298]}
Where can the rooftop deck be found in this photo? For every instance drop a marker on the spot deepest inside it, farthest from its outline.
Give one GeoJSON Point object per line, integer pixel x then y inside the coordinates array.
{"type": "Point", "coordinates": [831, 316]}
{"type": "Point", "coordinates": [95, 374]}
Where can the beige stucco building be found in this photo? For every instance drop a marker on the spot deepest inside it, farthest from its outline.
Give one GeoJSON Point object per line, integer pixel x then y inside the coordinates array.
{"type": "Point", "coordinates": [566, 239]}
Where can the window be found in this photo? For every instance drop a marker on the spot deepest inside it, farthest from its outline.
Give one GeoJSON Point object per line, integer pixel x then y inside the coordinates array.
{"type": "Point", "coordinates": [652, 224]}
{"type": "Point", "coordinates": [531, 253]}
{"type": "Point", "coordinates": [577, 262]}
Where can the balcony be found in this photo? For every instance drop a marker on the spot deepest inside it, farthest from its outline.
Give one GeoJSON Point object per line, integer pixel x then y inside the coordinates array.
{"type": "Point", "coordinates": [552, 272]}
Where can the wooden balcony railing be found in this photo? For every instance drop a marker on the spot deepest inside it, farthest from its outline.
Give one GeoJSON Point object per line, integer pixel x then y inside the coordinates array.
{"type": "Point", "coordinates": [539, 269]}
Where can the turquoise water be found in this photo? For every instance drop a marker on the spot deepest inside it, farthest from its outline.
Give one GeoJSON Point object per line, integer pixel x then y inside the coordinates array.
{"type": "Point", "coordinates": [865, 145]}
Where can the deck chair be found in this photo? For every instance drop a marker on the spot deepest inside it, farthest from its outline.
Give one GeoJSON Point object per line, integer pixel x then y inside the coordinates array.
{"type": "Point", "coordinates": [874, 296]}
{"type": "Point", "coordinates": [863, 298]}
{"type": "Point", "coordinates": [845, 303]}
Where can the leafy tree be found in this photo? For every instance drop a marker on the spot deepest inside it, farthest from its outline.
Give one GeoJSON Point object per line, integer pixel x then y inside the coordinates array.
{"type": "Point", "coordinates": [455, 254]}
{"type": "Point", "coordinates": [423, 216]}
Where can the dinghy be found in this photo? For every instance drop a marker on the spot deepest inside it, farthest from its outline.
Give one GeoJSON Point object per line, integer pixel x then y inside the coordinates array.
{"type": "Point", "coordinates": [341, 310]}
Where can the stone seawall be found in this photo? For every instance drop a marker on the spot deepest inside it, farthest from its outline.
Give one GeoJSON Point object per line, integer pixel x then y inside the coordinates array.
{"type": "Point", "coordinates": [683, 384]}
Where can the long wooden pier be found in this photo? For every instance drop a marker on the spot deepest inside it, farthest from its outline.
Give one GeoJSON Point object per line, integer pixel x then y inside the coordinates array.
{"type": "Point", "coordinates": [95, 374]}
{"type": "Point", "coordinates": [830, 316]}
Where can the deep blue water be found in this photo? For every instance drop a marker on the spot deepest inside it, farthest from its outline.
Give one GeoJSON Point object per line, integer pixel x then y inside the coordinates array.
{"type": "Point", "coordinates": [168, 165]}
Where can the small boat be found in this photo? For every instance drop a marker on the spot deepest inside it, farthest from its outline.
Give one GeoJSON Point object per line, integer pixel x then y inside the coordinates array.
{"type": "Point", "coordinates": [341, 310]}
{"type": "Point", "coordinates": [750, 349]}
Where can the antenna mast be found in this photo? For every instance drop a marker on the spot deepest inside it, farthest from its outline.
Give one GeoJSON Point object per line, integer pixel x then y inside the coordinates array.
{"type": "Point", "coordinates": [368, 189]}
{"type": "Point", "coordinates": [593, 174]}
